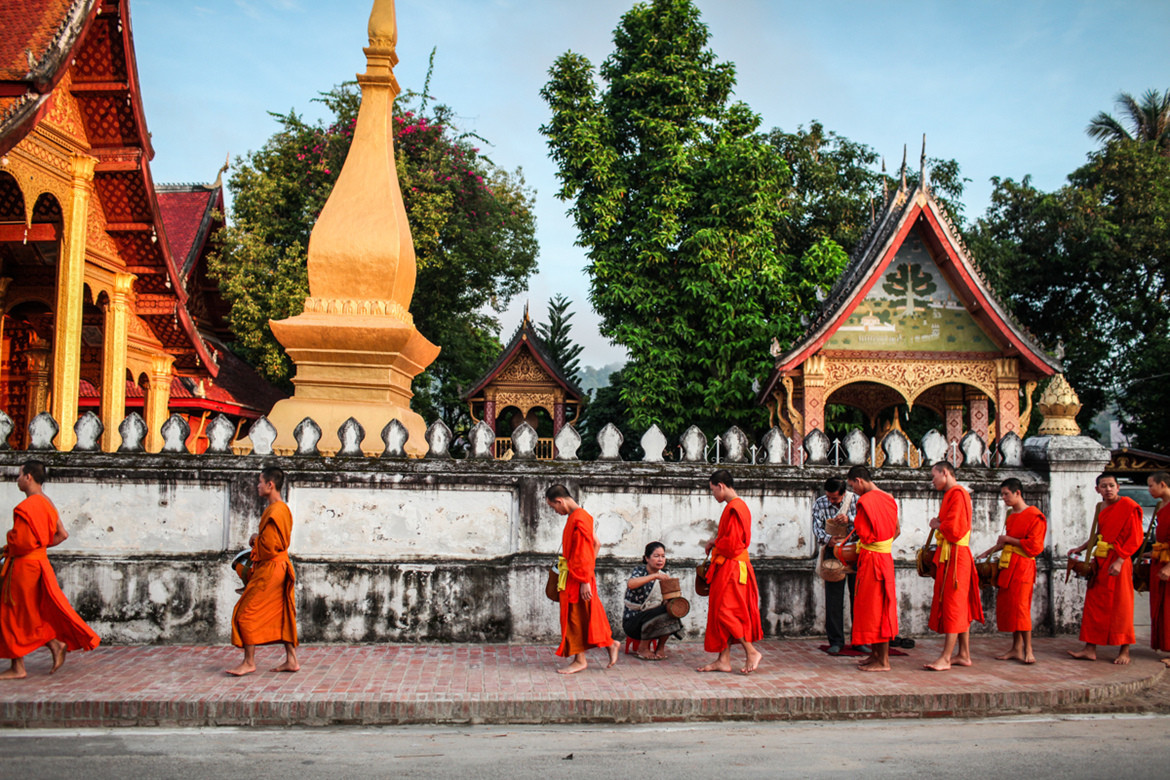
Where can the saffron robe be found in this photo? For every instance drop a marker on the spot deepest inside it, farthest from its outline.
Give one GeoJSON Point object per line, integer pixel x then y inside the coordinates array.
{"type": "Point", "coordinates": [875, 607]}
{"type": "Point", "coordinates": [733, 608]}
{"type": "Point", "coordinates": [584, 624]}
{"type": "Point", "coordinates": [33, 610]}
{"type": "Point", "coordinates": [1160, 590]}
{"type": "Point", "coordinates": [267, 611]}
{"type": "Point", "coordinates": [1013, 605]}
{"type": "Point", "coordinates": [956, 585]}
{"type": "Point", "coordinates": [1108, 615]}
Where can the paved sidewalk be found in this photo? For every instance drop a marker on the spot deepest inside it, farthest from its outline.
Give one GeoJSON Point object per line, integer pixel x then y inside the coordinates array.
{"type": "Point", "coordinates": [401, 684]}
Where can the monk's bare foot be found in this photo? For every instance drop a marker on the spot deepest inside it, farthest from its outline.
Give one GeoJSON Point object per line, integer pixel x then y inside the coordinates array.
{"type": "Point", "coordinates": [287, 666]}
{"type": "Point", "coordinates": [960, 661]}
{"type": "Point", "coordinates": [1166, 661]}
{"type": "Point", "coordinates": [753, 662]}
{"type": "Point", "coordinates": [1122, 657]}
{"type": "Point", "coordinates": [941, 665]}
{"type": "Point", "coordinates": [574, 667]}
{"type": "Point", "coordinates": [874, 667]}
{"type": "Point", "coordinates": [1010, 655]}
{"type": "Point", "coordinates": [715, 666]}
{"type": "Point", "coordinates": [241, 670]}
{"type": "Point", "coordinates": [13, 674]}
{"type": "Point", "coordinates": [869, 659]}
{"type": "Point", "coordinates": [613, 656]}
{"type": "Point", "coordinates": [1086, 654]}
{"type": "Point", "coordinates": [1029, 659]}
{"type": "Point", "coordinates": [58, 650]}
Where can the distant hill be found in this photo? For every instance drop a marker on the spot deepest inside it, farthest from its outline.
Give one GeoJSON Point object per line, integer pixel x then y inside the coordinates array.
{"type": "Point", "coordinates": [593, 379]}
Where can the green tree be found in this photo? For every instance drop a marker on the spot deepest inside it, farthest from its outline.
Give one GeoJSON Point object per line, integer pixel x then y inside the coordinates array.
{"type": "Point", "coordinates": [472, 223]}
{"type": "Point", "coordinates": [1089, 265]}
{"type": "Point", "coordinates": [1149, 121]}
{"type": "Point", "coordinates": [676, 197]}
{"type": "Point", "coordinates": [555, 335]}
{"type": "Point", "coordinates": [607, 406]}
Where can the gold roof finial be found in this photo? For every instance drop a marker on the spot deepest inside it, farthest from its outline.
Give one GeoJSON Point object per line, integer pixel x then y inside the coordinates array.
{"type": "Point", "coordinates": [1059, 404]}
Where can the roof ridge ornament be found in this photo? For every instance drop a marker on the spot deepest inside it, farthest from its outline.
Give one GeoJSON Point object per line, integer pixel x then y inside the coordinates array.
{"type": "Point", "coordinates": [923, 178]}
{"type": "Point", "coordinates": [902, 186]}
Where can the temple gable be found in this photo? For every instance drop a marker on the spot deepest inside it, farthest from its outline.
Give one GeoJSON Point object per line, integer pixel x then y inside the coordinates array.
{"type": "Point", "coordinates": [912, 307]}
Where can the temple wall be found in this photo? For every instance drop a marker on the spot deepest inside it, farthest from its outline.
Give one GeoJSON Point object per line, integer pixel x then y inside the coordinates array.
{"type": "Point", "coordinates": [452, 550]}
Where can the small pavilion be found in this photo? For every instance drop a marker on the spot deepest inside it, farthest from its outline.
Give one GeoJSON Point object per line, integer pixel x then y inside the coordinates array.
{"type": "Point", "coordinates": [910, 322]}
{"type": "Point", "coordinates": [525, 382]}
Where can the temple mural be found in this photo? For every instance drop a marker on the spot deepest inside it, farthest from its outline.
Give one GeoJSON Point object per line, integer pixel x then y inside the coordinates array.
{"type": "Point", "coordinates": [912, 306]}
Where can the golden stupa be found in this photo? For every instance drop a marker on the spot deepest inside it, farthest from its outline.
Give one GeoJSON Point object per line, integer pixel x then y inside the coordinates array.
{"type": "Point", "coordinates": [355, 346]}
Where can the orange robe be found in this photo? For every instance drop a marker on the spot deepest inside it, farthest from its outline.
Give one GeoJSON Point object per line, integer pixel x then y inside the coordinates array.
{"type": "Point", "coordinates": [956, 585]}
{"type": "Point", "coordinates": [1013, 605]}
{"type": "Point", "coordinates": [33, 609]}
{"type": "Point", "coordinates": [1108, 616]}
{"type": "Point", "coordinates": [733, 609]}
{"type": "Point", "coordinates": [584, 624]}
{"type": "Point", "coordinates": [875, 606]}
{"type": "Point", "coordinates": [1159, 590]}
{"type": "Point", "coordinates": [267, 611]}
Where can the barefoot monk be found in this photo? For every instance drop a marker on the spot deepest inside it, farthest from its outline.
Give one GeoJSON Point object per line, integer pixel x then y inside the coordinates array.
{"type": "Point", "coordinates": [584, 623]}
{"type": "Point", "coordinates": [1108, 615]}
{"type": "Point", "coordinates": [956, 585]}
{"type": "Point", "coordinates": [733, 609]}
{"type": "Point", "coordinates": [266, 613]}
{"type": "Point", "coordinates": [33, 610]}
{"type": "Point", "coordinates": [1021, 541]}
{"type": "Point", "coordinates": [875, 612]}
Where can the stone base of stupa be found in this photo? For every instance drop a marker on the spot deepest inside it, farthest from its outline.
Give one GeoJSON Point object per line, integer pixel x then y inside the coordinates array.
{"type": "Point", "coordinates": [351, 365]}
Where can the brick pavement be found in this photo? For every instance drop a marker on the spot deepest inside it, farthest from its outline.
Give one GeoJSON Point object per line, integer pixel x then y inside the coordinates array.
{"type": "Point", "coordinates": [400, 684]}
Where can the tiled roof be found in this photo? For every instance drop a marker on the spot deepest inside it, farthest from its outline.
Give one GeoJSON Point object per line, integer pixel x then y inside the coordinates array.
{"type": "Point", "coordinates": [526, 334]}
{"type": "Point", "coordinates": [34, 35]}
{"type": "Point", "coordinates": [183, 209]}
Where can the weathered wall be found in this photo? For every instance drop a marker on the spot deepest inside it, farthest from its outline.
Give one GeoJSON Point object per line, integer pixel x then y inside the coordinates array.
{"type": "Point", "coordinates": [443, 550]}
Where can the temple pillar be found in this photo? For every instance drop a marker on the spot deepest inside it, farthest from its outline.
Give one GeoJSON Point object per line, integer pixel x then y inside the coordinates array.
{"type": "Point", "coordinates": [158, 397]}
{"type": "Point", "coordinates": [814, 394]}
{"type": "Point", "coordinates": [1007, 400]}
{"type": "Point", "coordinates": [4, 282]}
{"type": "Point", "coordinates": [953, 405]}
{"type": "Point", "coordinates": [114, 345]}
{"type": "Point", "coordinates": [37, 357]}
{"type": "Point", "coordinates": [558, 417]}
{"type": "Point", "coordinates": [489, 413]}
{"type": "Point", "coordinates": [66, 379]}
{"type": "Point", "coordinates": [977, 412]}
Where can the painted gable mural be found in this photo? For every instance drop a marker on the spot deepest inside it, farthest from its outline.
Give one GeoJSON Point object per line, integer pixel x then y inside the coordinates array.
{"type": "Point", "coordinates": [912, 308]}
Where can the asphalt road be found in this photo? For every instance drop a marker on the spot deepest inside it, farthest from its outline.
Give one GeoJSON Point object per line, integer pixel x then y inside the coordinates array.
{"type": "Point", "coordinates": [1070, 746]}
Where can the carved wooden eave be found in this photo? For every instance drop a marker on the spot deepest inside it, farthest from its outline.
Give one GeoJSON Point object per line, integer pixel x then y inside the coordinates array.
{"type": "Point", "coordinates": [906, 211]}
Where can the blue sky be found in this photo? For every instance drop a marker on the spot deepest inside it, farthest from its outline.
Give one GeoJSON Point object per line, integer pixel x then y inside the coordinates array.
{"type": "Point", "coordinates": [1005, 88]}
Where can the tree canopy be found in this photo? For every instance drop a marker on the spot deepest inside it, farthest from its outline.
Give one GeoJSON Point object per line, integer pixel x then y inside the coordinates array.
{"type": "Point", "coordinates": [555, 335]}
{"type": "Point", "coordinates": [472, 223]}
{"type": "Point", "coordinates": [1088, 265]}
{"type": "Point", "coordinates": [677, 197]}
{"type": "Point", "coordinates": [1149, 121]}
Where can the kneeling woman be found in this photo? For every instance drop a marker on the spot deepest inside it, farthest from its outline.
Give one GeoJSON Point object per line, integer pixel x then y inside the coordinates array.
{"type": "Point", "coordinates": [646, 617]}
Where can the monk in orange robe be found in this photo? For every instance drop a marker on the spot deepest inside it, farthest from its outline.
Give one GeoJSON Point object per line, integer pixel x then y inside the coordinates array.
{"type": "Point", "coordinates": [266, 613]}
{"type": "Point", "coordinates": [1159, 484]}
{"type": "Point", "coordinates": [1108, 615]}
{"type": "Point", "coordinates": [733, 609]}
{"type": "Point", "coordinates": [583, 620]}
{"type": "Point", "coordinates": [33, 610]}
{"type": "Point", "coordinates": [956, 585]}
{"type": "Point", "coordinates": [875, 608]}
{"type": "Point", "coordinates": [1021, 541]}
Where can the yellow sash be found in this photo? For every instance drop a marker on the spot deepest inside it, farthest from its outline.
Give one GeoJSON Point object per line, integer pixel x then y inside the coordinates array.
{"type": "Point", "coordinates": [1103, 547]}
{"type": "Point", "coordinates": [1009, 550]}
{"type": "Point", "coordinates": [884, 546]}
{"type": "Point", "coordinates": [945, 546]}
{"type": "Point", "coordinates": [742, 559]}
{"type": "Point", "coordinates": [562, 572]}
{"type": "Point", "coordinates": [1160, 552]}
